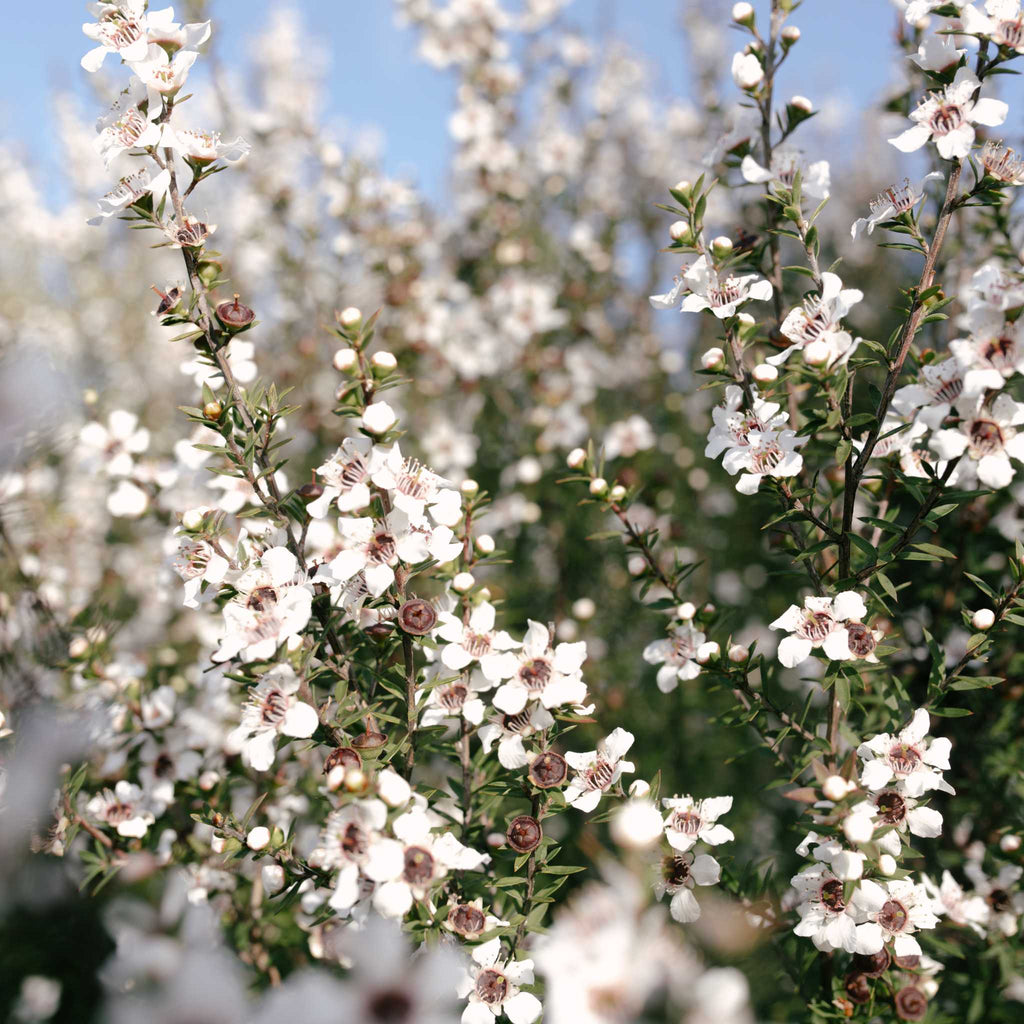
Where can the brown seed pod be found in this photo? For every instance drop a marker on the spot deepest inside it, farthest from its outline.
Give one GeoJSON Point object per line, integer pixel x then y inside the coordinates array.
{"type": "Point", "coordinates": [548, 770]}
{"type": "Point", "coordinates": [417, 616]}
{"type": "Point", "coordinates": [370, 740]}
{"type": "Point", "coordinates": [212, 410]}
{"type": "Point", "coordinates": [872, 965]}
{"type": "Point", "coordinates": [467, 920]}
{"type": "Point", "coordinates": [379, 629]}
{"type": "Point", "coordinates": [908, 963]}
{"type": "Point", "coordinates": [857, 988]}
{"type": "Point", "coordinates": [911, 1004]}
{"type": "Point", "coordinates": [344, 757]}
{"type": "Point", "coordinates": [235, 315]}
{"type": "Point", "coordinates": [310, 492]}
{"type": "Point", "coordinates": [524, 833]}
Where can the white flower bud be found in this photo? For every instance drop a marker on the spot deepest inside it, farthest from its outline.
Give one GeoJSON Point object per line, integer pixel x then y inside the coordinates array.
{"type": "Point", "coordinates": [765, 373]}
{"type": "Point", "coordinates": [469, 488]}
{"type": "Point", "coordinates": [637, 825]}
{"type": "Point", "coordinates": [217, 843]}
{"type": "Point", "coordinates": [983, 618]}
{"type": "Point", "coordinates": [617, 493]}
{"type": "Point", "coordinates": [708, 609]}
{"type": "Point", "coordinates": [463, 581]}
{"type": "Point", "coordinates": [686, 610]}
{"type": "Point", "coordinates": [817, 353]}
{"type": "Point", "coordinates": [258, 838]}
{"type": "Point", "coordinates": [598, 485]}
{"type": "Point", "coordinates": [583, 609]}
{"type": "Point", "coordinates": [576, 458]}
{"type": "Point", "coordinates": [485, 544]}
{"type": "Point", "coordinates": [887, 864]}
{"type": "Point", "coordinates": [790, 34]}
{"type": "Point", "coordinates": [747, 72]}
{"type": "Point", "coordinates": [708, 652]}
{"type": "Point", "coordinates": [721, 246]}
{"type": "Point", "coordinates": [679, 231]}
{"type": "Point", "coordinates": [355, 780]}
{"type": "Point", "coordinates": [336, 777]}
{"type": "Point", "coordinates": [1009, 843]}
{"type": "Point", "coordinates": [738, 653]}
{"type": "Point", "coordinates": [379, 418]}
{"type": "Point", "coordinates": [485, 593]}
{"type": "Point", "coordinates": [835, 787]}
{"type": "Point", "coordinates": [78, 648]}
{"type": "Point", "coordinates": [272, 876]}
{"type": "Point", "coordinates": [350, 316]}
{"type": "Point", "coordinates": [345, 360]}
{"type": "Point", "coordinates": [192, 518]}
{"type": "Point", "coordinates": [848, 866]}
{"type": "Point", "coordinates": [713, 359]}
{"type": "Point", "coordinates": [683, 186]}
{"type": "Point", "coordinates": [743, 14]}
{"type": "Point", "coordinates": [385, 362]}
{"type": "Point", "coordinates": [393, 789]}
{"type": "Point", "coordinates": [639, 788]}
{"type": "Point", "coordinates": [802, 103]}
{"type": "Point", "coordinates": [858, 828]}
{"type": "Point", "coordinates": [208, 780]}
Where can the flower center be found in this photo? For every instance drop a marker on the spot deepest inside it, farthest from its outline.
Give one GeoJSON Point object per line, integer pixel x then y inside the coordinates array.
{"type": "Point", "coordinates": [415, 480]}
{"type": "Point", "coordinates": [453, 697]}
{"type": "Point", "coordinates": [163, 766]}
{"type": "Point", "coordinates": [491, 987]}
{"type": "Point", "coordinates": [903, 758]}
{"type": "Point", "coordinates": [683, 647]}
{"type": "Point", "coordinates": [476, 645]}
{"type": "Point", "coordinates": [1000, 352]}
{"type": "Point", "coordinates": [119, 32]}
{"type": "Point", "coordinates": [893, 916]}
{"type": "Point", "coordinates": [389, 1007]}
{"type": "Point", "coordinates": [899, 197]}
{"type": "Point", "coordinates": [273, 708]}
{"type": "Point", "coordinates": [816, 626]}
{"type": "Point", "coordinates": [382, 549]}
{"type": "Point", "coordinates": [725, 292]}
{"type": "Point", "coordinates": [860, 639]}
{"type": "Point", "coordinates": [354, 841]}
{"type": "Point", "coordinates": [118, 812]}
{"type": "Point", "coordinates": [517, 723]}
{"type": "Point", "coordinates": [986, 437]}
{"type": "Point", "coordinates": [766, 458]}
{"type": "Point", "coordinates": [466, 919]}
{"type": "Point", "coordinates": [191, 233]}
{"type": "Point", "coordinates": [892, 808]}
{"type": "Point", "coordinates": [261, 598]}
{"type": "Point", "coordinates": [832, 895]}
{"type": "Point", "coordinates": [419, 865]}
{"type": "Point", "coordinates": [946, 118]}
{"type": "Point", "coordinates": [599, 775]}
{"type": "Point", "coordinates": [999, 899]}
{"type": "Point", "coordinates": [686, 822]}
{"type": "Point", "coordinates": [1010, 33]}
{"type": "Point", "coordinates": [948, 390]}
{"type": "Point", "coordinates": [675, 870]}
{"type": "Point", "coordinates": [129, 127]}
{"type": "Point", "coordinates": [535, 674]}
{"type": "Point", "coordinates": [1002, 162]}
{"type": "Point", "coordinates": [817, 321]}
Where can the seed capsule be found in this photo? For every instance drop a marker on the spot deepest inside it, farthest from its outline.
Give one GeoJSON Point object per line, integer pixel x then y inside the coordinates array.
{"type": "Point", "coordinates": [235, 315]}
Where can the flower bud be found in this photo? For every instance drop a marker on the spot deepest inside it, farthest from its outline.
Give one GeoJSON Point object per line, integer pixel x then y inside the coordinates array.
{"type": "Point", "coordinates": [258, 838]}
{"type": "Point", "coordinates": [350, 317]}
{"type": "Point", "coordinates": [637, 824]}
{"type": "Point", "coordinates": [801, 104]}
{"type": "Point", "coordinates": [721, 246]}
{"type": "Point", "coordinates": [524, 833]}
{"type": "Point", "coordinates": [790, 34]}
{"type": "Point", "coordinates": [848, 865]}
{"type": "Point", "coordinates": [858, 828]}
{"type": "Point", "coordinates": [345, 360]}
{"type": "Point", "coordinates": [485, 544]}
{"type": "Point", "coordinates": [463, 581]}
{"type": "Point", "coordinates": [583, 609]}
{"type": "Point", "coordinates": [1009, 843]}
{"type": "Point", "coordinates": [272, 876]}
{"type": "Point", "coordinates": [738, 653]}
{"type": "Point", "coordinates": [708, 652]}
{"type": "Point", "coordinates": [743, 14]}
{"type": "Point", "coordinates": [208, 780]}
{"type": "Point", "coordinates": [983, 618]}
{"type": "Point", "coordinates": [747, 71]}
{"type": "Point", "coordinates": [485, 593]}
{"type": "Point", "coordinates": [598, 486]}
{"type": "Point", "coordinates": [217, 843]}
{"type": "Point", "coordinates": [192, 518]}
{"type": "Point", "coordinates": [576, 458]}
{"type": "Point", "coordinates": [469, 488]}
{"type": "Point", "coordinates": [835, 787]}
{"type": "Point", "coordinates": [639, 788]}
{"type": "Point", "coordinates": [379, 418]}
{"type": "Point", "coordinates": [617, 493]}
{"type": "Point", "coordinates": [392, 788]}
{"type": "Point", "coordinates": [713, 359]}
{"type": "Point", "coordinates": [384, 363]}
{"type": "Point", "coordinates": [78, 648]}
{"type": "Point", "coordinates": [235, 315]}
{"type": "Point", "coordinates": [680, 232]}
{"type": "Point", "coordinates": [417, 617]}
{"type": "Point", "coordinates": [765, 373]}
{"type": "Point", "coordinates": [887, 864]}
{"type": "Point", "coordinates": [212, 410]}
{"type": "Point", "coordinates": [686, 610]}
{"type": "Point", "coordinates": [817, 353]}
{"type": "Point", "coordinates": [356, 780]}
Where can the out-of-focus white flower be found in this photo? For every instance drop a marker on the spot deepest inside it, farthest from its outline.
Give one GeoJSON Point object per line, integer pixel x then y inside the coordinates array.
{"type": "Point", "coordinates": [678, 655]}
{"type": "Point", "coordinates": [1001, 23]}
{"type": "Point", "coordinates": [782, 171]}
{"type": "Point", "coordinates": [747, 71]}
{"type": "Point", "coordinates": [124, 808]}
{"type": "Point", "coordinates": [937, 53]}
{"type": "Point", "coordinates": [637, 824]}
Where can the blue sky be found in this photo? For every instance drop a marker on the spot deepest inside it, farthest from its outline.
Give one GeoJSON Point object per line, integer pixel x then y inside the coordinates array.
{"type": "Point", "coordinates": [376, 80]}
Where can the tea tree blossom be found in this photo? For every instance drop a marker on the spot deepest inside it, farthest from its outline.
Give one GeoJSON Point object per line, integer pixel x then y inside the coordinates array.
{"type": "Point", "coordinates": [908, 758]}
{"type": "Point", "coordinates": [987, 436]}
{"type": "Point", "coordinates": [117, 442]}
{"type": "Point", "coordinates": [477, 641]}
{"type": "Point", "coordinates": [509, 731]}
{"type": "Point", "coordinates": [677, 654]}
{"type": "Point", "coordinates": [198, 562]}
{"type": "Point", "coordinates": [272, 710]}
{"type": "Point", "coordinates": [816, 322]}
{"type": "Point", "coordinates": [457, 698]}
{"type": "Point", "coordinates": [825, 916]}
{"type": "Point", "coordinates": [680, 872]}
{"type": "Point", "coordinates": [204, 147]}
{"type": "Point", "coordinates": [825, 623]}
{"type": "Point", "coordinates": [596, 771]}
{"type": "Point", "coordinates": [346, 477]}
{"type": "Point", "coordinates": [937, 53]}
{"type": "Point", "coordinates": [416, 489]}
{"type": "Point", "coordinates": [992, 353]}
{"type": "Point", "coordinates": [163, 75]}
{"type": "Point", "coordinates": [707, 288]}
{"type": "Point", "coordinates": [120, 28]}
{"type": "Point", "coordinates": [491, 988]}
{"type": "Point", "coordinates": [948, 118]}
{"type": "Point", "coordinates": [891, 202]}
{"type": "Point", "coordinates": [786, 162]}
{"type": "Point", "coordinates": [552, 676]}
{"type": "Point", "coordinates": [130, 189]}
{"type": "Point", "coordinates": [1002, 22]}
{"type": "Point", "coordinates": [690, 821]}
{"type": "Point", "coordinates": [1005, 905]}
{"type": "Point", "coordinates": [124, 808]}
{"type": "Point", "coordinates": [931, 399]}
{"type": "Point", "coordinates": [894, 911]}
{"type": "Point", "coordinates": [897, 813]}
{"type": "Point", "coordinates": [766, 453]}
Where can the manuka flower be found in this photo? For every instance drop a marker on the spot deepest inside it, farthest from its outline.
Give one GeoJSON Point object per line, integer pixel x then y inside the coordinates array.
{"type": "Point", "coordinates": [346, 477]}
{"type": "Point", "coordinates": [677, 656]}
{"type": "Point", "coordinates": [477, 641]}
{"type": "Point", "coordinates": [1002, 23]}
{"type": "Point", "coordinates": [988, 438]}
{"type": "Point", "coordinates": [826, 918]}
{"type": "Point", "coordinates": [680, 872]}
{"type": "Point", "coordinates": [510, 730]}
{"type": "Point", "coordinates": [993, 352]}
{"type": "Point", "coordinates": [815, 328]}
{"type": "Point", "coordinates": [785, 163]}
{"type": "Point", "coordinates": [915, 764]}
{"type": "Point", "coordinates": [125, 808]}
{"type": "Point", "coordinates": [948, 118]}
{"type": "Point", "coordinates": [823, 622]}
{"type": "Point", "coordinates": [120, 28]}
{"type": "Point", "coordinates": [130, 189]}
{"type": "Point", "coordinates": [938, 386]}
{"type": "Point", "coordinates": [552, 676]}
{"type": "Point", "coordinates": [897, 813]}
{"type": "Point", "coordinates": [891, 202]}
{"type": "Point", "coordinates": [598, 770]}
{"type": "Point", "coordinates": [690, 821]}
{"type": "Point", "coordinates": [491, 988]}
{"type": "Point", "coordinates": [706, 288]}
{"type": "Point", "coordinates": [893, 912]}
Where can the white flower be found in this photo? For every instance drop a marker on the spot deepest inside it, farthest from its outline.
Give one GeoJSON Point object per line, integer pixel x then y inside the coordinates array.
{"type": "Point", "coordinates": [552, 676]}
{"type": "Point", "coordinates": [677, 654]}
{"type": "Point", "coordinates": [477, 641]}
{"type": "Point", "coordinates": [125, 808]}
{"type": "Point", "coordinates": [897, 813]}
{"type": "Point", "coordinates": [510, 730]}
{"type": "Point", "coordinates": [491, 987]}
{"type": "Point", "coordinates": [1005, 906]}
{"type": "Point", "coordinates": [346, 477]}
{"type": "Point", "coordinates": [680, 872]}
{"type": "Point", "coordinates": [939, 386]}
{"type": "Point", "coordinates": [407, 867]}
{"type": "Point", "coordinates": [987, 435]}
{"type": "Point", "coordinates": [707, 290]}
{"type": "Point", "coordinates": [272, 710]}
{"type": "Point", "coordinates": [766, 453]}
{"type": "Point", "coordinates": [822, 622]}
{"type": "Point", "coordinates": [130, 189]}
{"type": "Point", "coordinates": [598, 770]}
{"type": "Point", "coordinates": [785, 163]}
{"type": "Point", "coordinates": [161, 74]}
{"type": "Point", "coordinates": [893, 911]}
{"type": "Point", "coordinates": [948, 118]}
{"type": "Point", "coordinates": [204, 147]}
{"type": "Point", "coordinates": [415, 488]}
{"type": "Point", "coordinates": [1002, 22]}
{"type": "Point", "coordinates": [992, 285]}
{"type": "Point", "coordinates": [348, 835]}
{"type": "Point", "coordinates": [818, 320]}
{"type": "Point", "coordinates": [636, 823]}
{"type": "Point", "coordinates": [198, 562]}
{"type": "Point", "coordinates": [273, 605]}
{"type": "Point", "coordinates": [457, 698]}
{"type": "Point", "coordinates": [993, 352]}
{"type": "Point", "coordinates": [891, 202]}
{"type": "Point", "coordinates": [379, 418]}
{"type": "Point", "coordinates": [747, 71]}
{"type": "Point", "coordinates": [937, 53]}
{"type": "Point", "coordinates": [690, 821]}
{"type": "Point", "coordinates": [120, 28]}
{"type": "Point", "coordinates": [127, 500]}
{"type": "Point", "coordinates": [906, 757]}
{"type": "Point", "coordinates": [116, 442]}
{"type": "Point", "coordinates": [917, 10]}
{"type": "Point", "coordinates": [161, 28]}
{"type": "Point", "coordinates": [825, 916]}
{"type": "Point", "coordinates": [950, 900]}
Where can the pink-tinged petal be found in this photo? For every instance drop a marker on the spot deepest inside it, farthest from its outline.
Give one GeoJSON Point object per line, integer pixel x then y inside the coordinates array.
{"type": "Point", "coordinates": [300, 721]}
{"type": "Point", "coordinates": [911, 139]}
{"type": "Point", "coordinates": [684, 907]}
{"type": "Point", "coordinates": [794, 651]}
{"type": "Point", "coordinates": [706, 870]}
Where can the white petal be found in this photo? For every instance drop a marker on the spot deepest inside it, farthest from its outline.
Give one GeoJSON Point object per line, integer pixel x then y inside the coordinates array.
{"type": "Point", "coordinates": [684, 906]}
{"type": "Point", "coordinates": [300, 720]}
{"type": "Point", "coordinates": [794, 651]}
{"type": "Point", "coordinates": [706, 870]}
